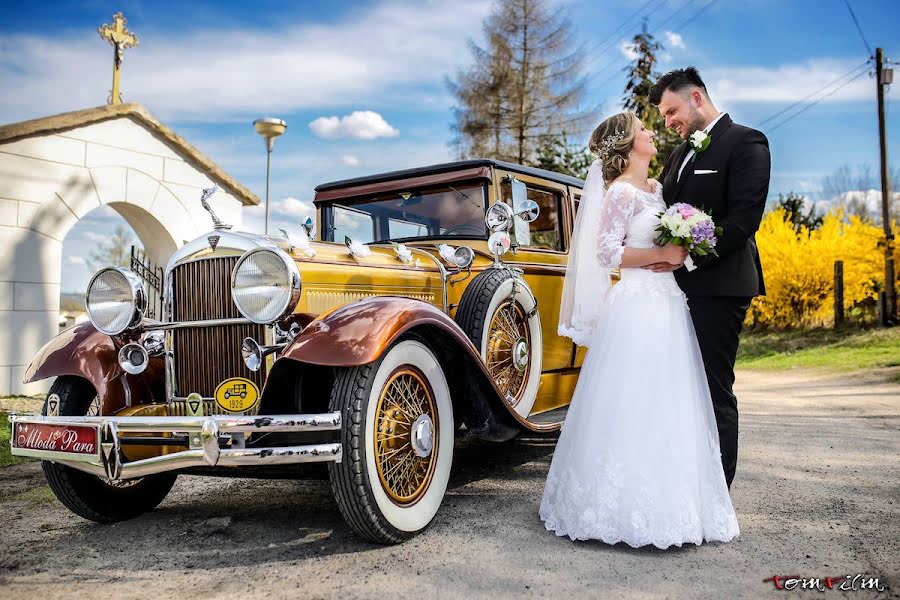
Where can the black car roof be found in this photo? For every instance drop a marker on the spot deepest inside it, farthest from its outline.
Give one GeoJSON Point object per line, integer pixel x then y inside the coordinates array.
{"type": "Point", "coordinates": [452, 166]}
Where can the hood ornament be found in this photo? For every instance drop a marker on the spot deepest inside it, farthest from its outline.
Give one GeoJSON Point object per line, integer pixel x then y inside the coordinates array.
{"type": "Point", "coordinates": [218, 225]}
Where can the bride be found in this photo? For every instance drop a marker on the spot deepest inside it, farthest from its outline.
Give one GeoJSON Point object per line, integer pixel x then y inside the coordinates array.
{"type": "Point", "coordinates": [638, 458]}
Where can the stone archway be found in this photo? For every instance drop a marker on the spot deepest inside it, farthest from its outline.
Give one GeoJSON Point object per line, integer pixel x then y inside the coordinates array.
{"type": "Point", "coordinates": [56, 170]}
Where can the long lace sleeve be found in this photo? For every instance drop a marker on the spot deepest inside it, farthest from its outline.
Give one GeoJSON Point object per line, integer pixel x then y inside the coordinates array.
{"type": "Point", "coordinates": [618, 207]}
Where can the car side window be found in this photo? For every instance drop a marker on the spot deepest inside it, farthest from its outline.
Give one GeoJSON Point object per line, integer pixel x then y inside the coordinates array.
{"type": "Point", "coordinates": [545, 230]}
{"type": "Point", "coordinates": [357, 225]}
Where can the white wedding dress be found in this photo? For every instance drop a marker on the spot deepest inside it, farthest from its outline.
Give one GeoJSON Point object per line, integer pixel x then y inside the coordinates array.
{"type": "Point", "coordinates": [638, 457]}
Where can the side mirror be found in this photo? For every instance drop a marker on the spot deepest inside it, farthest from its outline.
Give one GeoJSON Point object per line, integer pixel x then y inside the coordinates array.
{"type": "Point", "coordinates": [309, 226]}
{"type": "Point", "coordinates": [529, 211]}
{"type": "Point", "coordinates": [521, 206]}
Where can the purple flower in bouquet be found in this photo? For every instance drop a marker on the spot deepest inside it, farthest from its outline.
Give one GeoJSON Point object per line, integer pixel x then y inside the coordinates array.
{"type": "Point", "coordinates": [705, 231]}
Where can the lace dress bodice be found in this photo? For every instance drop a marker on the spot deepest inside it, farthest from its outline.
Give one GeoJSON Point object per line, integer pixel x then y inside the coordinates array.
{"type": "Point", "coordinates": [629, 218]}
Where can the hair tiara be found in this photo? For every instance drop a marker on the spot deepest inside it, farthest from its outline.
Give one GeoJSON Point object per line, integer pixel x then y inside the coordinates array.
{"type": "Point", "coordinates": [607, 143]}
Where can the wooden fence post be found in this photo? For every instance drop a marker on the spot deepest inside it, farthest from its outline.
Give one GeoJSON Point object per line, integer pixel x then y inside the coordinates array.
{"type": "Point", "coordinates": [838, 293]}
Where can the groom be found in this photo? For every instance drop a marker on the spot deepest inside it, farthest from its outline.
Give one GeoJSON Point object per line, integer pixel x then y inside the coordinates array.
{"type": "Point", "coordinates": [724, 170]}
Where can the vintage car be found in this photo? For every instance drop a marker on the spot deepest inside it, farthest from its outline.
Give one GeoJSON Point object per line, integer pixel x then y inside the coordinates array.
{"type": "Point", "coordinates": [425, 308]}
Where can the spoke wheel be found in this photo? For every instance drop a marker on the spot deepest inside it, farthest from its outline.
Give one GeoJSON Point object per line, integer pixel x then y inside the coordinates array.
{"type": "Point", "coordinates": [406, 426]}
{"type": "Point", "coordinates": [507, 350]}
{"type": "Point", "coordinates": [397, 435]}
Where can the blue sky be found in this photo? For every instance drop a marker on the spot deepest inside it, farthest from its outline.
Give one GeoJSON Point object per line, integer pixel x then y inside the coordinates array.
{"type": "Point", "coordinates": [208, 69]}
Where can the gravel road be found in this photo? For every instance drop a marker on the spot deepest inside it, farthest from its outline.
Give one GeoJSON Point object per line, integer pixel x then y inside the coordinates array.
{"type": "Point", "coordinates": [817, 494]}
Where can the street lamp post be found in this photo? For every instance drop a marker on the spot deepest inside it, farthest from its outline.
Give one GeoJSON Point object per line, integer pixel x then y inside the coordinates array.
{"type": "Point", "coordinates": [269, 128]}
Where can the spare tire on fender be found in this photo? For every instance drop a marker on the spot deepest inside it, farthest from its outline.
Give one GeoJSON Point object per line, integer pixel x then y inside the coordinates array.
{"type": "Point", "coordinates": [499, 314]}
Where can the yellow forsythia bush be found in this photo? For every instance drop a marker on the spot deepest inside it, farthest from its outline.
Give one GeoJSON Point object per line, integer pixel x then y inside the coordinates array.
{"type": "Point", "coordinates": [799, 270]}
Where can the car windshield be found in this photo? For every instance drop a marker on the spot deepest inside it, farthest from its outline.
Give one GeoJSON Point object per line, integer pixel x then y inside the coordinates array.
{"type": "Point", "coordinates": [455, 210]}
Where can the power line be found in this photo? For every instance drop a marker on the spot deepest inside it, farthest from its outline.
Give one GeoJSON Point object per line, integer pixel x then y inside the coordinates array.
{"type": "Point", "coordinates": [807, 107]}
{"type": "Point", "coordinates": [815, 93]}
{"type": "Point", "coordinates": [602, 42]}
{"type": "Point", "coordinates": [858, 28]}
{"type": "Point", "coordinates": [656, 31]}
{"type": "Point", "coordinates": [618, 58]}
{"type": "Point", "coordinates": [694, 16]}
{"type": "Point", "coordinates": [612, 40]}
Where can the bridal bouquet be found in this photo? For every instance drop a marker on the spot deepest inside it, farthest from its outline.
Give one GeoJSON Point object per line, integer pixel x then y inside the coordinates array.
{"type": "Point", "coordinates": [684, 225]}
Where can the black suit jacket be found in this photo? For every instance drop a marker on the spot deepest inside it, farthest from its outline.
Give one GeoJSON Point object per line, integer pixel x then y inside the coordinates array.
{"type": "Point", "coordinates": [733, 190]}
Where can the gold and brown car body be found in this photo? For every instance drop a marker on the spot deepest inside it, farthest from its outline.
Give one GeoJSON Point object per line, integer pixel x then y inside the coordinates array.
{"type": "Point", "coordinates": [353, 307]}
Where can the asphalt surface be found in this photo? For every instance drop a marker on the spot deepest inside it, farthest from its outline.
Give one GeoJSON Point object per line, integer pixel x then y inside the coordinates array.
{"type": "Point", "coordinates": [817, 494]}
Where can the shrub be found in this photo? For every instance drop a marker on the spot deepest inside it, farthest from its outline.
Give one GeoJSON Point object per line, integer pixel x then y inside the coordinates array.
{"type": "Point", "coordinates": [798, 264]}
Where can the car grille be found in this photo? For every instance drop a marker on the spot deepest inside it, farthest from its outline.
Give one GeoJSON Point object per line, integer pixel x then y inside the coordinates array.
{"type": "Point", "coordinates": [206, 356]}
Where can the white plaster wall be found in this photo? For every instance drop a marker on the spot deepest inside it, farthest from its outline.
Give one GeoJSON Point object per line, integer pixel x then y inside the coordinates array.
{"type": "Point", "coordinates": [48, 183]}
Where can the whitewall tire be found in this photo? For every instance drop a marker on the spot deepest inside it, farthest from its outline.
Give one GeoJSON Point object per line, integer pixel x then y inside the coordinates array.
{"type": "Point", "coordinates": [398, 442]}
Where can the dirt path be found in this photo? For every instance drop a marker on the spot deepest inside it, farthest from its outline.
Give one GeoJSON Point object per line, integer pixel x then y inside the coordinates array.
{"type": "Point", "coordinates": [817, 494]}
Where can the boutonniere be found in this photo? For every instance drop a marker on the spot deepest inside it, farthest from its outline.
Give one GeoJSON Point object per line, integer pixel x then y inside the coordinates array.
{"type": "Point", "coordinates": [699, 141]}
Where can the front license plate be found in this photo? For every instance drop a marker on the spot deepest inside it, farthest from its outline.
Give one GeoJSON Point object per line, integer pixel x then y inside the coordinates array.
{"type": "Point", "coordinates": [74, 440]}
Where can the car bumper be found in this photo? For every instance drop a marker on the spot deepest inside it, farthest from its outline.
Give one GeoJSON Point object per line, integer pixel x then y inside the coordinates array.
{"type": "Point", "coordinates": [210, 441]}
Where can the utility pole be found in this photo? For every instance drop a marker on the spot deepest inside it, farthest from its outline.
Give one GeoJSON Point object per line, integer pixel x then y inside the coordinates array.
{"type": "Point", "coordinates": [883, 78]}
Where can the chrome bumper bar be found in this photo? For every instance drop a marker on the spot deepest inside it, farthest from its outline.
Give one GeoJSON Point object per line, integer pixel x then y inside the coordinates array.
{"type": "Point", "coordinates": [203, 436]}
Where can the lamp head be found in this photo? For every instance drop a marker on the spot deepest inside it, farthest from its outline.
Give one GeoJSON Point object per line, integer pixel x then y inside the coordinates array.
{"type": "Point", "coordinates": [269, 128]}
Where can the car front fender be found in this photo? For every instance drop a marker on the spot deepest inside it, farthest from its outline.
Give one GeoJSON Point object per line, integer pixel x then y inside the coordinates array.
{"type": "Point", "coordinates": [360, 332]}
{"type": "Point", "coordinates": [82, 351]}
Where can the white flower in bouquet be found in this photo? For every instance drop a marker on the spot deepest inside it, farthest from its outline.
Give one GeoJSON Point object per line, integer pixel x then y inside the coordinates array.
{"type": "Point", "coordinates": [682, 229]}
{"type": "Point", "coordinates": [696, 219]}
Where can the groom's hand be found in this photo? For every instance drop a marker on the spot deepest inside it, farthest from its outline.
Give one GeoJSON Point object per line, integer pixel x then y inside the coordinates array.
{"type": "Point", "coordinates": [661, 267]}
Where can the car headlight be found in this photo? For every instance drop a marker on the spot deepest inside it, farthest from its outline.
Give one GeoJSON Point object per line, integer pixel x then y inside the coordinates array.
{"type": "Point", "coordinates": [265, 285]}
{"type": "Point", "coordinates": [463, 257]}
{"type": "Point", "coordinates": [115, 300]}
{"type": "Point", "coordinates": [499, 217]}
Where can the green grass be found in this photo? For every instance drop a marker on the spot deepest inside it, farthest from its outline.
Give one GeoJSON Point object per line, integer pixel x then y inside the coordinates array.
{"type": "Point", "coordinates": [839, 350]}
{"type": "Point", "coordinates": [39, 494]}
{"type": "Point", "coordinates": [6, 458]}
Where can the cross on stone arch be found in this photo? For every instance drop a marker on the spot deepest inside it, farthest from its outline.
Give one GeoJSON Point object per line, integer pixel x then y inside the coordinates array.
{"type": "Point", "coordinates": [119, 38]}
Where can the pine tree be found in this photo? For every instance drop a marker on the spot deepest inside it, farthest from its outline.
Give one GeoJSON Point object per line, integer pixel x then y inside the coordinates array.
{"type": "Point", "coordinates": [115, 252]}
{"type": "Point", "coordinates": [793, 211]}
{"type": "Point", "coordinates": [525, 84]}
{"type": "Point", "coordinates": [556, 154]}
{"type": "Point", "coordinates": [641, 77]}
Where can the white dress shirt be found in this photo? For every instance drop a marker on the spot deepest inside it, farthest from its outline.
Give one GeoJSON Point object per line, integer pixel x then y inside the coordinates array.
{"type": "Point", "coordinates": [691, 153]}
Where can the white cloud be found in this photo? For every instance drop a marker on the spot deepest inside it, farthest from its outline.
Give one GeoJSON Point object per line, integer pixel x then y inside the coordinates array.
{"type": "Point", "coordinates": [628, 50]}
{"type": "Point", "coordinates": [784, 83]}
{"type": "Point", "coordinates": [287, 213]}
{"type": "Point", "coordinates": [94, 236]}
{"type": "Point", "coordinates": [400, 50]}
{"type": "Point", "coordinates": [76, 260]}
{"type": "Point", "coordinates": [674, 40]}
{"type": "Point", "coordinates": [360, 124]}
{"type": "Point", "coordinates": [350, 160]}
{"type": "Point", "coordinates": [294, 207]}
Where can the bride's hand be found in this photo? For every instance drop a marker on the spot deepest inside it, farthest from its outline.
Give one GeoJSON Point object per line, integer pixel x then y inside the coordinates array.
{"type": "Point", "coordinates": [674, 255]}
